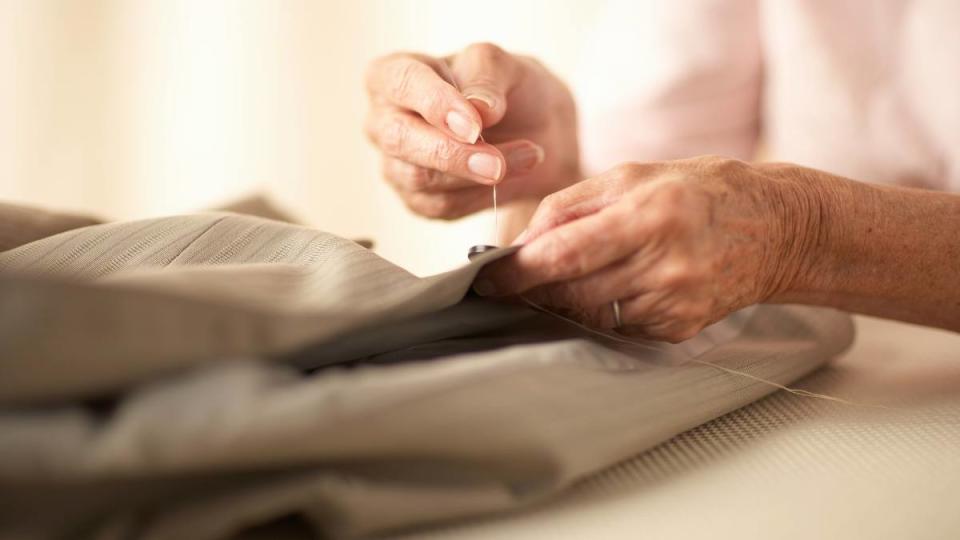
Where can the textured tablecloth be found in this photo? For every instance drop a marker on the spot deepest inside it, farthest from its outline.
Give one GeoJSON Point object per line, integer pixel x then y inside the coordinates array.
{"type": "Point", "coordinates": [786, 466]}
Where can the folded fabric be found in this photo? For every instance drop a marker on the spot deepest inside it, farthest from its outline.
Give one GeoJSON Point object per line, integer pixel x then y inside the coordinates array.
{"type": "Point", "coordinates": [162, 294]}
{"type": "Point", "coordinates": [159, 379]}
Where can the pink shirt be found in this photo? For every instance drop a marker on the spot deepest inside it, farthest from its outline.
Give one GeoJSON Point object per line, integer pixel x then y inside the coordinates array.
{"type": "Point", "coordinates": [865, 89]}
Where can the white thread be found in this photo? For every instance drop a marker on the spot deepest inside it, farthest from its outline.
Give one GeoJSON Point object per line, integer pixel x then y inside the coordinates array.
{"type": "Point", "coordinates": [496, 219]}
{"type": "Point", "coordinates": [496, 212]}
{"type": "Point", "coordinates": [794, 391]}
{"type": "Point", "coordinates": [585, 327]}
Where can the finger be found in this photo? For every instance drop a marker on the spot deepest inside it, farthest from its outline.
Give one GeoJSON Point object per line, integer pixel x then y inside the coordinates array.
{"type": "Point", "coordinates": [486, 74]}
{"type": "Point", "coordinates": [641, 309]}
{"type": "Point", "coordinates": [406, 176]}
{"type": "Point", "coordinates": [667, 330]}
{"type": "Point", "coordinates": [636, 313]}
{"type": "Point", "coordinates": [622, 279]}
{"type": "Point", "coordinates": [597, 316]}
{"type": "Point", "coordinates": [661, 316]}
{"type": "Point", "coordinates": [409, 82]}
{"type": "Point", "coordinates": [522, 156]}
{"type": "Point", "coordinates": [405, 136]}
{"type": "Point", "coordinates": [570, 251]}
{"type": "Point", "coordinates": [449, 204]}
{"type": "Point", "coordinates": [579, 200]}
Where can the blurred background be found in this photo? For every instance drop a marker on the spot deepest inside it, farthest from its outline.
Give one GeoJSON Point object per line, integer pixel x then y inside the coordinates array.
{"type": "Point", "coordinates": [134, 108]}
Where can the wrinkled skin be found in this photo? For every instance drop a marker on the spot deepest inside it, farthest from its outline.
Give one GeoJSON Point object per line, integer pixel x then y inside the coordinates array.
{"type": "Point", "coordinates": [680, 244]}
{"type": "Point", "coordinates": [426, 117]}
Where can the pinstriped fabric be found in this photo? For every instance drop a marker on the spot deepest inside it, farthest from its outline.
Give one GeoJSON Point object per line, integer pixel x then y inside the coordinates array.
{"type": "Point", "coordinates": [171, 291]}
{"type": "Point", "coordinates": [139, 306]}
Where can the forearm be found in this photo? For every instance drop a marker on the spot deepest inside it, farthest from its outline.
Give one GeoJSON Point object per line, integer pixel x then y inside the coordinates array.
{"type": "Point", "coordinates": [878, 250]}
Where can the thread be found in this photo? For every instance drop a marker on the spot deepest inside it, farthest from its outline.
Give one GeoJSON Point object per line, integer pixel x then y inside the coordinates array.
{"type": "Point", "coordinates": [496, 218]}
{"type": "Point", "coordinates": [621, 339]}
{"type": "Point", "coordinates": [795, 391]}
{"type": "Point", "coordinates": [496, 212]}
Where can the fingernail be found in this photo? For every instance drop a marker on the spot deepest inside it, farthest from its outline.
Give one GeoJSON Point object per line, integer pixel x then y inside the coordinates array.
{"type": "Point", "coordinates": [525, 157]}
{"type": "Point", "coordinates": [462, 126]}
{"type": "Point", "coordinates": [482, 97]}
{"type": "Point", "coordinates": [484, 165]}
{"type": "Point", "coordinates": [484, 287]}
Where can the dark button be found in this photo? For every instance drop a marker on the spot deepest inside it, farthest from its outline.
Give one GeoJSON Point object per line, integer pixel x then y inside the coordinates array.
{"type": "Point", "coordinates": [475, 251]}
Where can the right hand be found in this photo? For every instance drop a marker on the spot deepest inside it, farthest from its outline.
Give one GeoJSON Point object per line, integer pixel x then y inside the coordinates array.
{"type": "Point", "coordinates": [428, 131]}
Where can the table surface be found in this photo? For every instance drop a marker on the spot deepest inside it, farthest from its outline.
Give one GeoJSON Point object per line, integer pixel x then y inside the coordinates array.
{"type": "Point", "coordinates": [788, 466]}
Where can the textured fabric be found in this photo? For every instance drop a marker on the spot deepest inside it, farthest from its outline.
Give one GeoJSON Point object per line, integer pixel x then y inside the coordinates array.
{"type": "Point", "coordinates": [21, 225]}
{"type": "Point", "coordinates": [788, 466]}
{"type": "Point", "coordinates": [171, 291]}
{"type": "Point", "coordinates": [181, 330]}
{"type": "Point", "coordinates": [862, 89]}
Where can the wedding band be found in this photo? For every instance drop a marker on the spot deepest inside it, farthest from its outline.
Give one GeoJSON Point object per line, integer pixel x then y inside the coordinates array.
{"type": "Point", "coordinates": [616, 314]}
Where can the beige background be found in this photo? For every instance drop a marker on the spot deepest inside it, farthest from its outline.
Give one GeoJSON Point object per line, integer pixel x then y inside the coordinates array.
{"type": "Point", "coordinates": [141, 108]}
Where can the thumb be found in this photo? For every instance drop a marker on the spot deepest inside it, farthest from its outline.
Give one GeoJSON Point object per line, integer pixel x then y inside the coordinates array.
{"type": "Point", "coordinates": [486, 74]}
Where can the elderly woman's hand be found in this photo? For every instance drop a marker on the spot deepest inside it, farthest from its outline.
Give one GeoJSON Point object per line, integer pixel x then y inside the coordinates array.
{"type": "Point", "coordinates": [427, 114]}
{"type": "Point", "coordinates": [679, 244]}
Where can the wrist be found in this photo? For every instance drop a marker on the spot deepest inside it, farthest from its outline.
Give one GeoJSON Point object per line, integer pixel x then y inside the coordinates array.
{"type": "Point", "coordinates": [804, 207]}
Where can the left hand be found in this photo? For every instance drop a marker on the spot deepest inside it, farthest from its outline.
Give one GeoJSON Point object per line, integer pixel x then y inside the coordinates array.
{"type": "Point", "coordinates": [680, 244]}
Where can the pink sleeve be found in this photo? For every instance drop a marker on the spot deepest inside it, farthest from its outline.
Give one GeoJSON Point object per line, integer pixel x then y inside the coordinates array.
{"type": "Point", "coordinates": [666, 80]}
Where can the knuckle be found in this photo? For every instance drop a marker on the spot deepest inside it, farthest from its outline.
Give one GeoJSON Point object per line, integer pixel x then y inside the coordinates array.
{"type": "Point", "coordinates": [658, 217]}
{"type": "Point", "coordinates": [440, 206]}
{"type": "Point", "coordinates": [690, 312]}
{"type": "Point", "coordinates": [553, 255]}
{"type": "Point", "coordinates": [723, 166]}
{"type": "Point", "coordinates": [428, 207]}
{"type": "Point", "coordinates": [550, 208]}
{"type": "Point", "coordinates": [420, 178]}
{"type": "Point", "coordinates": [681, 333]}
{"type": "Point", "coordinates": [676, 273]}
{"type": "Point", "coordinates": [407, 71]}
{"type": "Point", "coordinates": [562, 260]}
{"type": "Point", "coordinates": [392, 136]}
{"type": "Point", "coordinates": [487, 50]}
{"type": "Point", "coordinates": [672, 194]}
{"type": "Point", "coordinates": [548, 204]}
{"type": "Point", "coordinates": [626, 170]}
{"type": "Point", "coordinates": [433, 103]}
{"type": "Point", "coordinates": [443, 155]}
